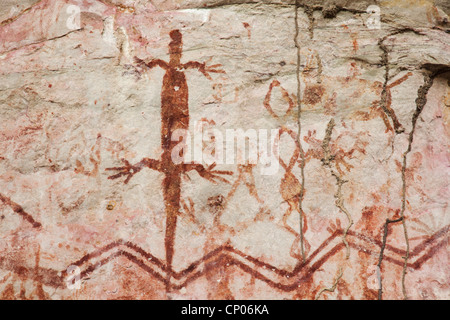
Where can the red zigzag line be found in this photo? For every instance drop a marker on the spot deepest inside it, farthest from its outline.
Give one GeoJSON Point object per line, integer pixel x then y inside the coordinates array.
{"type": "Point", "coordinates": [222, 256]}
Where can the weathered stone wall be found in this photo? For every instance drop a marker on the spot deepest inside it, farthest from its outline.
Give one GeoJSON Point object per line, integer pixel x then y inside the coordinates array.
{"type": "Point", "coordinates": [357, 92]}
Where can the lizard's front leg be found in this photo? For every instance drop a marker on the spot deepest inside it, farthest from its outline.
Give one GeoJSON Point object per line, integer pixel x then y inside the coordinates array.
{"type": "Point", "coordinates": [207, 172]}
{"type": "Point", "coordinates": [130, 170]}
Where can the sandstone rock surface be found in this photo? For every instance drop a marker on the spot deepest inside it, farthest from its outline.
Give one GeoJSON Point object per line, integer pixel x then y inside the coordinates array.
{"type": "Point", "coordinates": [356, 91]}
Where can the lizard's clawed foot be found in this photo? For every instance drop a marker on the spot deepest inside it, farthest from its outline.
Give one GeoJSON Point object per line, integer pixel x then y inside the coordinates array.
{"type": "Point", "coordinates": [127, 170]}
{"type": "Point", "coordinates": [215, 68]}
{"type": "Point", "coordinates": [213, 175]}
{"type": "Point", "coordinates": [206, 70]}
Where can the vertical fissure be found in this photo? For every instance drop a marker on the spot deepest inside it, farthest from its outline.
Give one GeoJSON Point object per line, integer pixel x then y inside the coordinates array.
{"type": "Point", "coordinates": [420, 101]}
{"type": "Point", "coordinates": [299, 126]}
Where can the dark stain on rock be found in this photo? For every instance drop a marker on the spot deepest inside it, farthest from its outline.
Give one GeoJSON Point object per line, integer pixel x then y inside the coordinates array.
{"type": "Point", "coordinates": [330, 12]}
{"type": "Point", "coordinates": [313, 94]}
{"type": "Point", "coordinates": [216, 203]}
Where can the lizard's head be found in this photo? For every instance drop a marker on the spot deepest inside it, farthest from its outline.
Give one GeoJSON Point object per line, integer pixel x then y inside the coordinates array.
{"type": "Point", "coordinates": [175, 46]}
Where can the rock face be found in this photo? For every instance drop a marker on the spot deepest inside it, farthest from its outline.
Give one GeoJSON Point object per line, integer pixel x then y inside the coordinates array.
{"type": "Point", "coordinates": [342, 192]}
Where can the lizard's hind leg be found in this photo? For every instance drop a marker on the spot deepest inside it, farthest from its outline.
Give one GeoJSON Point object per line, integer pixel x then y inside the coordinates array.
{"type": "Point", "coordinates": [130, 170]}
